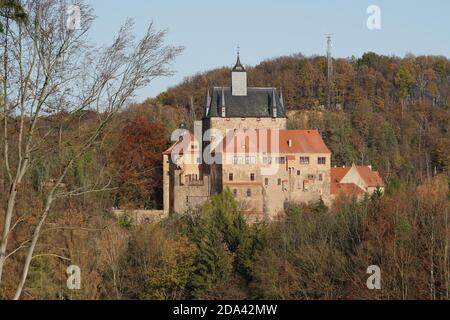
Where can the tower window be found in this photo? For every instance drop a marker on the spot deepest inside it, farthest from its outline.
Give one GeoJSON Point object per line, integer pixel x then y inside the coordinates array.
{"type": "Point", "coordinates": [252, 177]}
{"type": "Point", "coordinates": [266, 181]}
{"type": "Point", "coordinates": [249, 193]}
{"type": "Point", "coordinates": [322, 160]}
{"type": "Point", "coordinates": [230, 177]}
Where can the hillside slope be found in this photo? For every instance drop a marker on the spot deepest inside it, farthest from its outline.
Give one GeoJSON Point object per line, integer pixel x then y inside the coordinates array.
{"type": "Point", "coordinates": [390, 112]}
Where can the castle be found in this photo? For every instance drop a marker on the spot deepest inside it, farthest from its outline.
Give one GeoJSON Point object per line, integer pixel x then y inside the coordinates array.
{"type": "Point", "coordinates": [243, 144]}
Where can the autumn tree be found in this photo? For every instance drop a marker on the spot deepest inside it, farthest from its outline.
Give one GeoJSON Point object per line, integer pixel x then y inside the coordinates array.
{"type": "Point", "coordinates": [51, 74]}
{"type": "Point", "coordinates": [137, 159]}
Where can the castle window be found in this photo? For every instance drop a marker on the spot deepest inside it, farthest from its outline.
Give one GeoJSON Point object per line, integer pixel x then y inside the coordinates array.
{"type": "Point", "coordinates": [320, 177]}
{"type": "Point", "coordinates": [249, 193]}
{"type": "Point", "coordinates": [280, 160]}
{"type": "Point", "coordinates": [298, 172]}
{"type": "Point", "coordinates": [238, 160]}
{"type": "Point", "coordinates": [279, 182]}
{"type": "Point", "coordinates": [311, 177]}
{"type": "Point", "coordinates": [322, 160]}
{"type": "Point", "coordinates": [267, 160]}
{"type": "Point", "coordinates": [252, 177]}
{"type": "Point", "coordinates": [304, 160]}
{"type": "Point", "coordinates": [250, 160]}
{"type": "Point", "coordinates": [266, 181]}
{"type": "Point", "coordinates": [230, 177]}
{"type": "Point", "coordinates": [235, 193]}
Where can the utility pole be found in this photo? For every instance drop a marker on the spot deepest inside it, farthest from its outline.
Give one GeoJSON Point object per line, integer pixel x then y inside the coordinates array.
{"type": "Point", "coordinates": [329, 69]}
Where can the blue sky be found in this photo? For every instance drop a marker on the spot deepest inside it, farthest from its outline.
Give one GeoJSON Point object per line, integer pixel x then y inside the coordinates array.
{"type": "Point", "coordinates": [211, 30]}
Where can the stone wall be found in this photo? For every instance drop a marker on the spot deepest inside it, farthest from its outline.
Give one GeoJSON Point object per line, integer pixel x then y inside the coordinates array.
{"type": "Point", "coordinates": [141, 216]}
{"type": "Point", "coordinates": [191, 195]}
{"type": "Point", "coordinates": [291, 181]}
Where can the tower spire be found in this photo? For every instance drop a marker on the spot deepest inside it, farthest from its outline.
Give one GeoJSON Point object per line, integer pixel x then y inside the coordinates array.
{"type": "Point", "coordinates": [238, 66]}
{"type": "Point", "coordinates": [238, 77]}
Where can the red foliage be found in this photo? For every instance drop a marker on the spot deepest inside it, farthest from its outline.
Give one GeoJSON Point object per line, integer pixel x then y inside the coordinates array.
{"type": "Point", "coordinates": [138, 161]}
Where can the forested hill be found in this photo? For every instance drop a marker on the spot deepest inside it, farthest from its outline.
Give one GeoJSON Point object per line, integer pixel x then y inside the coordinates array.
{"type": "Point", "coordinates": [394, 112]}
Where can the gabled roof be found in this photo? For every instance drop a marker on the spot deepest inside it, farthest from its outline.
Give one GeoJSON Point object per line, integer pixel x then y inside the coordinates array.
{"type": "Point", "coordinates": [258, 103]}
{"type": "Point", "coordinates": [337, 174]}
{"type": "Point", "coordinates": [288, 142]}
{"type": "Point", "coordinates": [371, 178]}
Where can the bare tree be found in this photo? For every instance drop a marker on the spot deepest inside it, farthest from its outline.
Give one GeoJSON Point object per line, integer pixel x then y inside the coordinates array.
{"type": "Point", "coordinates": [50, 74]}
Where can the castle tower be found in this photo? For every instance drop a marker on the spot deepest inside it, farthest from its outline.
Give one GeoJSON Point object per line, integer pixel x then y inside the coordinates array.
{"type": "Point", "coordinates": [239, 79]}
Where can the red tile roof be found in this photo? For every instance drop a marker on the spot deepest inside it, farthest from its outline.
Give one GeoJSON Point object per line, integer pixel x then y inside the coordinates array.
{"type": "Point", "coordinates": [337, 174]}
{"type": "Point", "coordinates": [346, 189]}
{"type": "Point", "coordinates": [289, 141]}
{"type": "Point", "coordinates": [371, 178]}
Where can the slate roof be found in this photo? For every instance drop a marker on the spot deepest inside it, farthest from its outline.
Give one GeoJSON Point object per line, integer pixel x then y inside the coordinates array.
{"type": "Point", "coordinates": [257, 104]}
{"type": "Point", "coordinates": [238, 67]}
